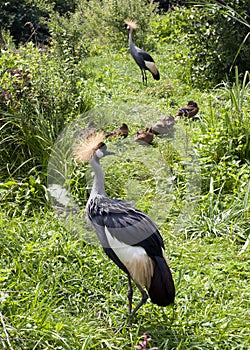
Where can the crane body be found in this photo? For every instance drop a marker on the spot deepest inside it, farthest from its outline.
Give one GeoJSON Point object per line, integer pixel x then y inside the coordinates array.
{"type": "Point", "coordinates": [131, 239]}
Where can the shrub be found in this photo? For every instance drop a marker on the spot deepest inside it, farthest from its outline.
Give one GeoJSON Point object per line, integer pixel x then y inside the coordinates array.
{"type": "Point", "coordinates": [27, 20]}
{"type": "Point", "coordinates": [39, 93]}
{"type": "Point", "coordinates": [213, 39]}
{"type": "Point", "coordinates": [68, 36]}
{"type": "Point", "coordinates": [104, 20]}
{"type": "Point", "coordinates": [216, 41]}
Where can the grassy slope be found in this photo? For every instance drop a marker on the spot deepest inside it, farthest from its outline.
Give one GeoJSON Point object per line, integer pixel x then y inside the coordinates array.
{"type": "Point", "coordinates": [63, 294]}
{"type": "Point", "coordinates": [57, 292]}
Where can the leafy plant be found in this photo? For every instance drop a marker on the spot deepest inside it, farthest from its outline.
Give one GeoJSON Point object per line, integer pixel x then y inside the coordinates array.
{"type": "Point", "coordinates": [104, 21]}
{"type": "Point", "coordinates": [38, 96]}
{"type": "Point", "coordinates": [212, 36]}
{"type": "Point", "coordinates": [210, 40]}
{"type": "Point", "coordinates": [22, 198]}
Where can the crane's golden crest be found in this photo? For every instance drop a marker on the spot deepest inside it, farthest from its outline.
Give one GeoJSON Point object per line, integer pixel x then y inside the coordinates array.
{"type": "Point", "coordinates": [130, 23]}
{"type": "Point", "coordinates": [85, 149]}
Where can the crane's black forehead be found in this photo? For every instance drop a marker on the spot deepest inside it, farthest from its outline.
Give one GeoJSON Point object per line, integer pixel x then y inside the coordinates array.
{"type": "Point", "coordinates": [101, 145]}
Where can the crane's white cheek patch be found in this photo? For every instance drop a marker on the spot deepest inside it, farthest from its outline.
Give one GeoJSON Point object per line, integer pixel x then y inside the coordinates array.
{"type": "Point", "coordinates": [151, 66]}
{"type": "Point", "coordinates": [136, 260]}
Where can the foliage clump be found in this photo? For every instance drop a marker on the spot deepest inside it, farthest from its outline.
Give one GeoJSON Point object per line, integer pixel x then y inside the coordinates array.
{"type": "Point", "coordinates": [214, 37]}
{"type": "Point", "coordinates": [39, 93]}
{"type": "Point", "coordinates": [27, 20]}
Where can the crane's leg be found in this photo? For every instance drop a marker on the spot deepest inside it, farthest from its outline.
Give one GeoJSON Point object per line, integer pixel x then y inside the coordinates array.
{"type": "Point", "coordinates": [143, 299]}
{"type": "Point", "coordinates": [130, 295]}
{"type": "Point", "coordinates": [144, 77]}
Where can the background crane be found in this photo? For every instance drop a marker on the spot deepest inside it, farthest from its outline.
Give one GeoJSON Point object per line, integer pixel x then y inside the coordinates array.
{"type": "Point", "coordinates": [142, 58]}
{"type": "Point", "coordinates": [127, 235]}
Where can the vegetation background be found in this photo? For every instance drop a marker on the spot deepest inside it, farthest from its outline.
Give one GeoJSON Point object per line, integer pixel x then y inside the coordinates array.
{"type": "Point", "coordinates": [62, 62]}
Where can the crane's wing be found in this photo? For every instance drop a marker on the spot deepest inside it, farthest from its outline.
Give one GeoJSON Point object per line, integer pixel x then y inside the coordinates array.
{"type": "Point", "coordinates": [146, 56]}
{"type": "Point", "coordinates": [148, 62]}
{"type": "Point", "coordinates": [117, 223]}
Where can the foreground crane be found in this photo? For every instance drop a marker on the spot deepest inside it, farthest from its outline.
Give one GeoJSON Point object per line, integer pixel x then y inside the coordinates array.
{"type": "Point", "coordinates": [127, 235]}
{"type": "Point", "coordinates": [142, 58]}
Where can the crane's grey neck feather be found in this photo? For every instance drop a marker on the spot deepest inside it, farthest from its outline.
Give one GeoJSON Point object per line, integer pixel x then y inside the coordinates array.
{"type": "Point", "coordinates": [131, 44]}
{"type": "Point", "coordinates": [98, 187]}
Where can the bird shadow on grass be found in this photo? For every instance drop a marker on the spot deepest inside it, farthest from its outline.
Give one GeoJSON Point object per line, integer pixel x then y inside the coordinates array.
{"type": "Point", "coordinates": [158, 326]}
{"type": "Point", "coordinates": [163, 335]}
{"type": "Point", "coordinates": [161, 332]}
{"type": "Point", "coordinates": [162, 327]}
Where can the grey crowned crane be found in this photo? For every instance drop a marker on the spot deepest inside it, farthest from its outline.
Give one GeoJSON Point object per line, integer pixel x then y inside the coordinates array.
{"type": "Point", "coordinates": [128, 236]}
{"type": "Point", "coordinates": [142, 58]}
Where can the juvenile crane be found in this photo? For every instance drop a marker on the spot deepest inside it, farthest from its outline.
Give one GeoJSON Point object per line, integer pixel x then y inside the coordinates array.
{"type": "Point", "coordinates": [127, 235]}
{"type": "Point", "coordinates": [190, 110]}
{"type": "Point", "coordinates": [144, 137]}
{"type": "Point", "coordinates": [142, 58]}
{"type": "Point", "coordinates": [122, 131]}
{"type": "Point", "coordinates": [163, 126]}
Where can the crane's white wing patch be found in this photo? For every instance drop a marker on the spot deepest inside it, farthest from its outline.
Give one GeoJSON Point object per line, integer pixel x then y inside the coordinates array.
{"type": "Point", "coordinates": [151, 66]}
{"type": "Point", "coordinates": [135, 258]}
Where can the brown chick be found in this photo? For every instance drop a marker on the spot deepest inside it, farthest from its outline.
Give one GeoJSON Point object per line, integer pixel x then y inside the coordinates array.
{"type": "Point", "coordinates": [144, 137]}
{"type": "Point", "coordinates": [190, 110]}
{"type": "Point", "coordinates": [122, 131]}
{"type": "Point", "coordinates": [163, 126]}
{"type": "Point", "coordinates": [88, 130]}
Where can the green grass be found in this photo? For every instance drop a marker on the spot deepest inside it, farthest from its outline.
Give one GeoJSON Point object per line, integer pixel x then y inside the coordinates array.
{"type": "Point", "coordinates": [59, 292]}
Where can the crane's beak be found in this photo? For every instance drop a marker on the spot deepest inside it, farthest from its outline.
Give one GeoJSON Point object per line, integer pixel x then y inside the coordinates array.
{"type": "Point", "coordinates": [103, 152]}
{"type": "Point", "coordinates": [108, 153]}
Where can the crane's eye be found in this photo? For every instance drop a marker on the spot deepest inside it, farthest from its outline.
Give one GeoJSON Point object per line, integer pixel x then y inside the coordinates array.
{"type": "Point", "coordinates": [102, 145]}
{"type": "Point", "coordinates": [100, 150]}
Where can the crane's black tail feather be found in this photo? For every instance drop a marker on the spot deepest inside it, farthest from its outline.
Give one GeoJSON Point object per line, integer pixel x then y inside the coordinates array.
{"type": "Point", "coordinates": [156, 76]}
{"type": "Point", "coordinates": [162, 290]}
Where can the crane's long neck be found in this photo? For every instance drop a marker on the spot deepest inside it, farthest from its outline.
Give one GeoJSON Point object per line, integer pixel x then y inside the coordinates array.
{"type": "Point", "coordinates": [99, 180]}
{"type": "Point", "coordinates": [131, 44]}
